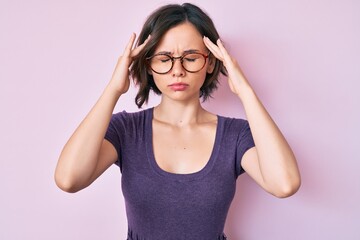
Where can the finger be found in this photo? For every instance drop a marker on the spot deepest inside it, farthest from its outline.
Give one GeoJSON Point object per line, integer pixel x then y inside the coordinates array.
{"type": "Point", "coordinates": [213, 48]}
{"type": "Point", "coordinates": [223, 50]}
{"type": "Point", "coordinates": [130, 45]}
{"type": "Point", "coordinates": [136, 51]}
{"type": "Point", "coordinates": [146, 41]}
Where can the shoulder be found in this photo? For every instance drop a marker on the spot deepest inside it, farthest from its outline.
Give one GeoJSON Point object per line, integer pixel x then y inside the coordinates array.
{"type": "Point", "coordinates": [126, 116]}
{"type": "Point", "coordinates": [236, 129]}
{"type": "Point", "coordinates": [233, 123]}
{"type": "Point", "coordinates": [127, 120]}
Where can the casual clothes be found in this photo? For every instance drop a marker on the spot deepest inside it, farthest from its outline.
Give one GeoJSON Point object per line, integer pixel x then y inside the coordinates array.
{"type": "Point", "coordinates": [164, 205]}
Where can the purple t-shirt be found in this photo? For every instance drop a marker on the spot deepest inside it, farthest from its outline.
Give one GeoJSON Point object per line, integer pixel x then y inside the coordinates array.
{"type": "Point", "coordinates": [164, 205]}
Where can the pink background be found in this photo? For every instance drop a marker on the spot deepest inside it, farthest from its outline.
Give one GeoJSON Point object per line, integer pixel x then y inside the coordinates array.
{"type": "Point", "coordinates": [302, 57]}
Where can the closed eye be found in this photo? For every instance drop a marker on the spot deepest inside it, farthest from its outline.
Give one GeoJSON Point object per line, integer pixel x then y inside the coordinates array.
{"type": "Point", "coordinates": [162, 58]}
{"type": "Point", "coordinates": [165, 60]}
{"type": "Point", "coordinates": [191, 57]}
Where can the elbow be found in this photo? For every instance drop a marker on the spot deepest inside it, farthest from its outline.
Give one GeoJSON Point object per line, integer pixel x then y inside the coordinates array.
{"type": "Point", "coordinates": [66, 187]}
{"type": "Point", "coordinates": [288, 189]}
{"type": "Point", "coordinates": [65, 183]}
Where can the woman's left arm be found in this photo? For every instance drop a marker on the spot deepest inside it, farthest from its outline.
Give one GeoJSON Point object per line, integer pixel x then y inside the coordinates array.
{"type": "Point", "coordinates": [271, 163]}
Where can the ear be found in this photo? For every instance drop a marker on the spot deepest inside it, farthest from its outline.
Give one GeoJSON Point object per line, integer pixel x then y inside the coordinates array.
{"type": "Point", "coordinates": [149, 71]}
{"type": "Point", "coordinates": [211, 64]}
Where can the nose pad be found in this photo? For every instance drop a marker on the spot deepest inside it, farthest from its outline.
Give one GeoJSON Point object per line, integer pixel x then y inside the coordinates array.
{"type": "Point", "coordinates": [178, 69]}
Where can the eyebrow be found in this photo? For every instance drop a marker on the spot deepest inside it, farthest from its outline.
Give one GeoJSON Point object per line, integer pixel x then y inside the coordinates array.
{"type": "Point", "coordinates": [186, 51]}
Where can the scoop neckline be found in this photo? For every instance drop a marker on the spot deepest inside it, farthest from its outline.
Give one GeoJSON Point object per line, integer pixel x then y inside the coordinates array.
{"type": "Point", "coordinates": [181, 176]}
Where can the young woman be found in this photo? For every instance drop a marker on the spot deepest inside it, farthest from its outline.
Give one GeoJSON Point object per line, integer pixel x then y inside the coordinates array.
{"type": "Point", "coordinates": [179, 162]}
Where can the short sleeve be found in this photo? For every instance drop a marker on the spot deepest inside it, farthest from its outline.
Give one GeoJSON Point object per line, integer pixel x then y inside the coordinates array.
{"type": "Point", "coordinates": [245, 141]}
{"type": "Point", "coordinates": [116, 129]}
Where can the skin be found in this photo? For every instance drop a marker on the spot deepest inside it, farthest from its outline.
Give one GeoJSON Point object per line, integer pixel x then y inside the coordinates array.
{"type": "Point", "coordinates": [271, 163]}
{"type": "Point", "coordinates": [183, 132]}
{"type": "Point", "coordinates": [182, 129]}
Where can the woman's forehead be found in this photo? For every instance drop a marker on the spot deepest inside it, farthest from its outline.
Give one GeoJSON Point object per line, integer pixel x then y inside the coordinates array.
{"type": "Point", "coordinates": [182, 38]}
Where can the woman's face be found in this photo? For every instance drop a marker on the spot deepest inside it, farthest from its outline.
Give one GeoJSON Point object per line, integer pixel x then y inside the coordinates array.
{"type": "Point", "coordinates": [179, 84]}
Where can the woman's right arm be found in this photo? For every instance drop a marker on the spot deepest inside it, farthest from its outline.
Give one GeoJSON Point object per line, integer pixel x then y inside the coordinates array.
{"type": "Point", "coordinates": [87, 154]}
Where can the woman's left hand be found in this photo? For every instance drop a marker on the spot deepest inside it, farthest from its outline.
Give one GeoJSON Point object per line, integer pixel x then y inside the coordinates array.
{"type": "Point", "coordinates": [237, 80]}
{"type": "Point", "coordinates": [271, 163]}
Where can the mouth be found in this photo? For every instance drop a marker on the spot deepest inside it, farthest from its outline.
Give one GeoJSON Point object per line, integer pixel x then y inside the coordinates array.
{"type": "Point", "coordinates": [178, 86]}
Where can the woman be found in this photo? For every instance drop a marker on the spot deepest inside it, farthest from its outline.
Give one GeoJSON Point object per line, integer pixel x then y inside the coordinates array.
{"type": "Point", "coordinates": [179, 162]}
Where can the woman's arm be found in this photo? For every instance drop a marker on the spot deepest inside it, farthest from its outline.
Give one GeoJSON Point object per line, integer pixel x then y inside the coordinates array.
{"type": "Point", "coordinates": [271, 163]}
{"type": "Point", "coordinates": [80, 158]}
{"type": "Point", "coordinates": [87, 155]}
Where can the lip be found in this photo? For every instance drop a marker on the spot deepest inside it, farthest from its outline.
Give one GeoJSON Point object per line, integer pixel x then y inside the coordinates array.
{"type": "Point", "coordinates": [178, 86]}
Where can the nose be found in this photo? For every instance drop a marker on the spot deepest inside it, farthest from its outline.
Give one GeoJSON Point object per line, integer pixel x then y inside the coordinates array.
{"type": "Point", "coordinates": [178, 69]}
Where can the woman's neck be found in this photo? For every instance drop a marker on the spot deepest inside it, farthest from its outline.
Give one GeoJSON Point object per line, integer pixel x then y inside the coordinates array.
{"type": "Point", "coordinates": [180, 113]}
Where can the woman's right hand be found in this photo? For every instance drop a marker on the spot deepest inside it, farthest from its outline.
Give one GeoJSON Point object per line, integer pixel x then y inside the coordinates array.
{"type": "Point", "coordinates": [120, 81]}
{"type": "Point", "coordinates": [86, 155]}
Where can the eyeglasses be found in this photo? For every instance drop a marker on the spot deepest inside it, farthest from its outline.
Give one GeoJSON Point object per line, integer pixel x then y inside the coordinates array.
{"type": "Point", "coordinates": [162, 63]}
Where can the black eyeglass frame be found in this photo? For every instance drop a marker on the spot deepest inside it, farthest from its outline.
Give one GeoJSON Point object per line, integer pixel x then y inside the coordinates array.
{"type": "Point", "coordinates": [173, 59]}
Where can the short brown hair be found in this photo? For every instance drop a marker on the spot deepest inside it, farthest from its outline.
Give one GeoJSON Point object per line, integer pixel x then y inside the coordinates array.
{"type": "Point", "coordinates": [156, 25]}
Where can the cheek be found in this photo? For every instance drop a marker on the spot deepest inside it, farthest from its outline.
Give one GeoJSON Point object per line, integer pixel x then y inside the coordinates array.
{"type": "Point", "coordinates": [159, 81]}
{"type": "Point", "coordinates": [203, 75]}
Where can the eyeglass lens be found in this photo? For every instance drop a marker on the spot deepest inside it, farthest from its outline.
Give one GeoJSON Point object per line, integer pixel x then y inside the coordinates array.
{"type": "Point", "coordinates": [192, 62]}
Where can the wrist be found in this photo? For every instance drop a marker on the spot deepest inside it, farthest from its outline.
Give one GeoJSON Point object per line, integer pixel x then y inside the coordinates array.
{"type": "Point", "coordinates": [112, 92]}
{"type": "Point", "coordinates": [246, 92]}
